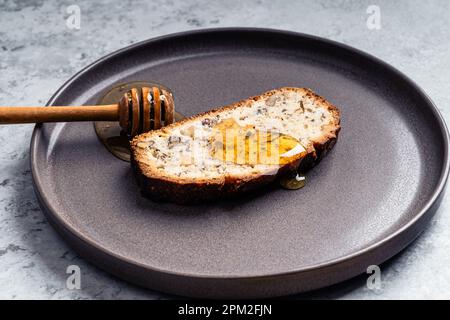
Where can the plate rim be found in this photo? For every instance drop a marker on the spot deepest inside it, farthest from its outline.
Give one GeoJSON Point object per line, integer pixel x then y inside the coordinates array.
{"type": "Point", "coordinates": [396, 234]}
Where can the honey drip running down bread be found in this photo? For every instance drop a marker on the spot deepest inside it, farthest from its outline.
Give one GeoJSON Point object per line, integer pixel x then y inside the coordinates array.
{"type": "Point", "coordinates": [236, 148]}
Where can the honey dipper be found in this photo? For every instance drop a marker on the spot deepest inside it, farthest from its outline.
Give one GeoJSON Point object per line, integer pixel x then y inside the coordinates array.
{"type": "Point", "coordinates": [138, 111]}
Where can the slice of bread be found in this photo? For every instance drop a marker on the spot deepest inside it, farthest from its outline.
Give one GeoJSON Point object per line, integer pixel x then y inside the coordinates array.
{"type": "Point", "coordinates": [177, 162]}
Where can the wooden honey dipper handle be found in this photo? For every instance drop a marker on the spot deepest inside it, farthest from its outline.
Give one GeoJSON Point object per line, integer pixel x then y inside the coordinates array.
{"type": "Point", "coordinates": [138, 111]}
{"type": "Point", "coordinates": [14, 115]}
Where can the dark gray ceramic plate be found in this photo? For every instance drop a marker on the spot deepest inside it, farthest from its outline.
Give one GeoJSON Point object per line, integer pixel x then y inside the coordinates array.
{"type": "Point", "coordinates": [365, 202]}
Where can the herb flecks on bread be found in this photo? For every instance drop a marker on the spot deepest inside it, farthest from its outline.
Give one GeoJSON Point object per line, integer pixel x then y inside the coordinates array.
{"type": "Point", "coordinates": [185, 163]}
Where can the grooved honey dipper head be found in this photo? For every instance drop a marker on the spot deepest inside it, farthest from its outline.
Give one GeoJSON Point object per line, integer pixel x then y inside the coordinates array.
{"type": "Point", "coordinates": [145, 109]}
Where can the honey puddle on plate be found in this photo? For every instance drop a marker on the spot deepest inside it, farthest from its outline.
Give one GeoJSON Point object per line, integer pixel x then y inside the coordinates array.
{"type": "Point", "coordinates": [232, 142]}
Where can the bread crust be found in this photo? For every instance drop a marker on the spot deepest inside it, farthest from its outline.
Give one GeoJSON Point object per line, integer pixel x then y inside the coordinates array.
{"type": "Point", "coordinates": [192, 191]}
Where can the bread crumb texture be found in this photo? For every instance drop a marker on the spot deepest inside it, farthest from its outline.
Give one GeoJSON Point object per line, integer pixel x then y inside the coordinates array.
{"type": "Point", "coordinates": [183, 151]}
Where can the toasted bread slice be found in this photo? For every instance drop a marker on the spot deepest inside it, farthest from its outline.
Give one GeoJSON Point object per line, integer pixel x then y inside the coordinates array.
{"type": "Point", "coordinates": [177, 163]}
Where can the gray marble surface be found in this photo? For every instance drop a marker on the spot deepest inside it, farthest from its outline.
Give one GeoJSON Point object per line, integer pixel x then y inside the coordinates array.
{"type": "Point", "coordinates": [38, 53]}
